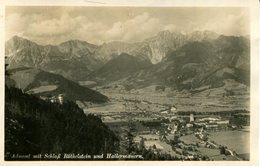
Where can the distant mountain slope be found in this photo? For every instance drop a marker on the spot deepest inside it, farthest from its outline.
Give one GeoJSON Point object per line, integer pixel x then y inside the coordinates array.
{"type": "Point", "coordinates": [72, 59]}
{"type": "Point", "coordinates": [197, 64]}
{"type": "Point", "coordinates": [48, 84]}
{"type": "Point", "coordinates": [154, 48]}
{"type": "Point", "coordinates": [119, 67]}
{"type": "Point", "coordinates": [108, 51]}
{"type": "Point", "coordinates": [34, 126]}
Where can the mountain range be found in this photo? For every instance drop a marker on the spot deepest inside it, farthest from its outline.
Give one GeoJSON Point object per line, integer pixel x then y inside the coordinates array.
{"type": "Point", "coordinates": [76, 59]}
{"type": "Point", "coordinates": [196, 61]}
{"type": "Point", "coordinates": [72, 59]}
{"type": "Point", "coordinates": [197, 64]}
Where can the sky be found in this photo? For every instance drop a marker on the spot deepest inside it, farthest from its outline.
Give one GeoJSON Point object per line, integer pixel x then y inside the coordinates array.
{"type": "Point", "coordinates": [53, 25]}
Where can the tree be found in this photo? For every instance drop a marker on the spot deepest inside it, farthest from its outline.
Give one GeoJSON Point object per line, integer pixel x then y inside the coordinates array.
{"type": "Point", "coordinates": [7, 73]}
{"type": "Point", "coordinates": [222, 150]}
{"type": "Point", "coordinates": [130, 142]}
{"type": "Point", "coordinates": [141, 145]}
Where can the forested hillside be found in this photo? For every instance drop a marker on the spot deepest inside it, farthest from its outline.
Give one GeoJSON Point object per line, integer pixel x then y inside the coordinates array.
{"type": "Point", "coordinates": [35, 126]}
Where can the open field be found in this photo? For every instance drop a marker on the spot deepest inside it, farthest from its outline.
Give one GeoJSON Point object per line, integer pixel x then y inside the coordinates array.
{"type": "Point", "coordinates": [87, 83]}
{"type": "Point", "coordinates": [189, 139]}
{"type": "Point", "coordinates": [209, 152]}
{"type": "Point", "coordinates": [223, 157]}
{"type": "Point", "coordinates": [112, 107]}
{"type": "Point", "coordinates": [149, 136]}
{"type": "Point", "coordinates": [46, 88]}
{"type": "Point", "coordinates": [234, 140]}
{"type": "Point", "coordinates": [152, 143]}
{"type": "Point", "coordinates": [188, 103]}
{"type": "Point", "coordinates": [151, 139]}
{"type": "Point", "coordinates": [214, 154]}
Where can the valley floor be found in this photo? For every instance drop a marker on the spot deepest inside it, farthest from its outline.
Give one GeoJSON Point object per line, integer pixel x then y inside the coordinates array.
{"type": "Point", "coordinates": [188, 128]}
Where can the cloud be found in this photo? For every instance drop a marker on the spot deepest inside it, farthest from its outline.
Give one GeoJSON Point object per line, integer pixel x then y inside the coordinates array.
{"type": "Point", "coordinates": [14, 25]}
{"type": "Point", "coordinates": [56, 30]}
{"type": "Point", "coordinates": [49, 26]}
{"type": "Point", "coordinates": [171, 27]}
{"type": "Point", "coordinates": [52, 27]}
{"type": "Point", "coordinates": [134, 29]}
{"type": "Point", "coordinates": [231, 24]}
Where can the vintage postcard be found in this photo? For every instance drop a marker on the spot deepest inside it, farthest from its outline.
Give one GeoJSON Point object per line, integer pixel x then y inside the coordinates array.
{"type": "Point", "coordinates": [121, 83]}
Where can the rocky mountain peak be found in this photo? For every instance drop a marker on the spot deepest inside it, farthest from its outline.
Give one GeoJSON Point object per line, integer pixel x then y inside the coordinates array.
{"type": "Point", "coordinates": [164, 33]}
{"type": "Point", "coordinates": [18, 43]}
{"type": "Point", "coordinates": [202, 35]}
{"type": "Point", "coordinates": [76, 45]}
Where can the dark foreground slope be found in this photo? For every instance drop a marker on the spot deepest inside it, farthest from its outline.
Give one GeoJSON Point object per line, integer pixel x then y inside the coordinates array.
{"type": "Point", "coordinates": [35, 126]}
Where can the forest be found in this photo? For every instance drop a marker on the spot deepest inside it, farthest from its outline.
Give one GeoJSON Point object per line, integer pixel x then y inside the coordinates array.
{"type": "Point", "coordinates": [35, 126]}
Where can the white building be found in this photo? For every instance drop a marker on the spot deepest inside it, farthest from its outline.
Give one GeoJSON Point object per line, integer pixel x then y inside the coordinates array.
{"type": "Point", "coordinates": [61, 98]}
{"type": "Point", "coordinates": [191, 117]}
{"type": "Point", "coordinates": [223, 122]}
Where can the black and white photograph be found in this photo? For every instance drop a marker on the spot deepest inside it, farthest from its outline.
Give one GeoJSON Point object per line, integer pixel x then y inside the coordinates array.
{"type": "Point", "coordinates": [127, 83]}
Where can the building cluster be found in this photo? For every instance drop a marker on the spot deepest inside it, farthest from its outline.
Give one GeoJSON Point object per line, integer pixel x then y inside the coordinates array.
{"type": "Point", "coordinates": [60, 98]}
{"type": "Point", "coordinates": [212, 123]}
{"type": "Point", "coordinates": [160, 125]}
